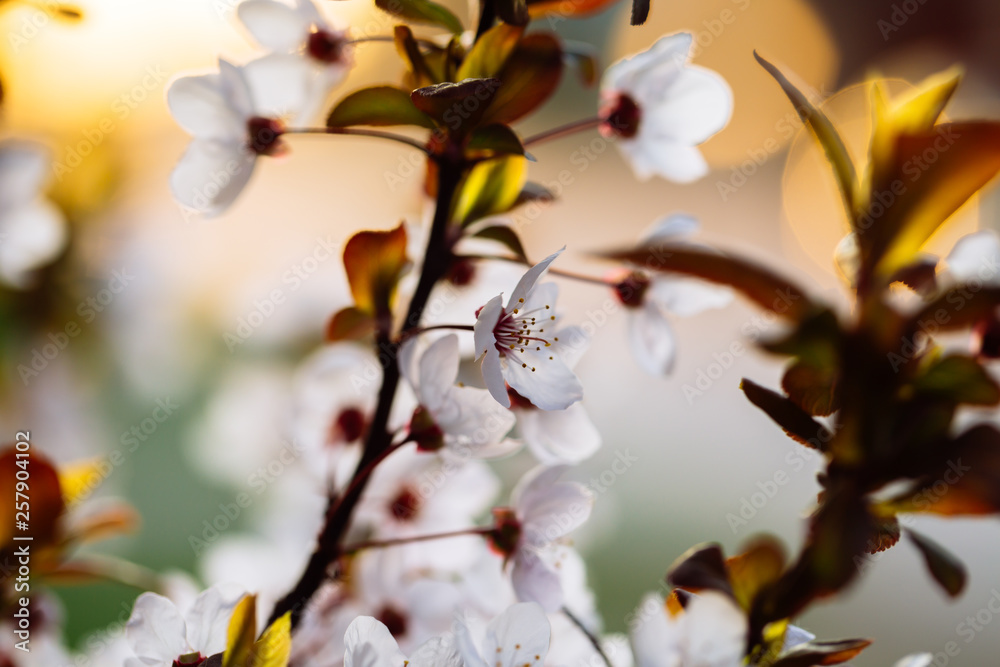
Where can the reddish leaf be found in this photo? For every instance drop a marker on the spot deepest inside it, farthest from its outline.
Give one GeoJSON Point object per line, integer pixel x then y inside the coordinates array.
{"type": "Point", "coordinates": [350, 324]}
{"type": "Point", "coordinates": [701, 567]}
{"type": "Point", "coordinates": [787, 414]}
{"type": "Point", "coordinates": [375, 261]}
{"type": "Point", "coordinates": [815, 653]}
{"type": "Point", "coordinates": [943, 566]}
{"type": "Point", "coordinates": [458, 106]}
{"type": "Point", "coordinates": [529, 76]}
{"type": "Point", "coordinates": [43, 498]}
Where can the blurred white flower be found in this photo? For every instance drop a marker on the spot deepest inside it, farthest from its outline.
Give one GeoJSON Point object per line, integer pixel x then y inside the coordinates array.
{"type": "Point", "coordinates": [650, 298]}
{"type": "Point", "coordinates": [918, 660]}
{"type": "Point", "coordinates": [543, 510]}
{"type": "Point", "coordinates": [234, 116]}
{"type": "Point", "coordinates": [516, 349]}
{"type": "Point", "coordinates": [299, 28]}
{"type": "Point", "coordinates": [660, 108]}
{"type": "Point", "coordinates": [161, 637]}
{"type": "Point", "coordinates": [32, 229]}
{"type": "Point", "coordinates": [464, 419]}
{"type": "Point", "coordinates": [412, 494]}
{"type": "Point", "coordinates": [710, 632]}
{"type": "Point", "coordinates": [519, 637]}
{"type": "Point", "coordinates": [975, 259]}
{"type": "Point", "coordinates": [558, 436]}
{"type": "Point", "coordinates": [368, 643]}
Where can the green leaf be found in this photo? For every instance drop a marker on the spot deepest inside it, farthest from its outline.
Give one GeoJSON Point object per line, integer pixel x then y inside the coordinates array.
{"type": "Point", "coordinates": [505, 235]}
{"type": "Point", "coordinates": [380, 106]}
{"type": "Point", "coordinates": [490, 188]}
{"type": "Point", "coordinates": [824, 132]}
{"type": "Point", "coordinates": [490, 52]}
{"type": "Point", "coordinates": [816, 652]}
{"type": "Point", "coordinates": [241, 633]}
{"type": "Point", "coordinates": [755, 282]}
{"type": "Point", "coordinates": [422, 11]}
{"type": "Point", "coordinates": [529, 77]}
{"type": "Point", "coordinates": [493, 140]}
{"type": "Point", "coordinates": [959, 378]}
{"type": "Point", "coordinates": [459, 106]}
{"type": "Point", "coordinates": [943, 566]}
{"type": "Point", "coordinates": [796, 422]}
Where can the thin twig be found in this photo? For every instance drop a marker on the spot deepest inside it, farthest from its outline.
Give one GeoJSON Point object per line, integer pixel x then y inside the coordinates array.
{"type": "Point", "coordinates": [381, 544]}
{"type": "Point", "coordinates": [562, 131]}
{"type": "Point", "coordinates": [361, 132]}
{"type": "Point", "coordinates": [583, 628]}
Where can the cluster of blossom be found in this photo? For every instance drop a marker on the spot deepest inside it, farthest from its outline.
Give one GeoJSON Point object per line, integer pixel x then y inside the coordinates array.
{"type": "Point", "coordinates": [374, 550]}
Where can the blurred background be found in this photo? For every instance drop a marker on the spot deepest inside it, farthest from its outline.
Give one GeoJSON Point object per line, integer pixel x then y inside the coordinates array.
{"type": "Point", "coordinates": [93, 92]}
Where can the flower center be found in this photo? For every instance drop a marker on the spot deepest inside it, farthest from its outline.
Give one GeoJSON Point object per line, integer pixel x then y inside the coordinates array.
{"type": "Point", "coordinates": [461, 272]}
{"type": "Point", "coordinates": [518, 332]}
{"type": "Point", "coordinates": [620, 116]}
{"type": "Point", "coordinates": [506, 532]}
{"type": "Point", "coordinates": [265, 135]}
{"type": "Point", "coordinates": [348, 426]}
{"type": "Point", "coordinates": [189, 659]}
{"type": "Point", "coordinates": [405, 505]}
{"type": "Point", "coordinates": [425, 431]}
{"type": "Point", "coordinates": [326, 47]}
{"type": "Point", "coordinates": [631, 289]}
{"type": "Point", "coordinates": [394, 621]}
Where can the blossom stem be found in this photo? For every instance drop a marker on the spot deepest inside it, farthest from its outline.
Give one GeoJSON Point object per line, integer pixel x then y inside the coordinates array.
{"type": "Point", "coordinates": [593, 280]}
{"type": "Point", "coordinates": [595, 642]}
{"type": "Point", "coordinates": [381, 544]}
{"type": "Point", "coordinates": [562, 131]}
{"type": "Point", "coordinates": [389, 38]}
{"type": "Point", "coordinates": [419, 330]}
{"type": "Point", "coordinates": [340, 509]}
{"type": "Point", "coordinates": [360, 132]}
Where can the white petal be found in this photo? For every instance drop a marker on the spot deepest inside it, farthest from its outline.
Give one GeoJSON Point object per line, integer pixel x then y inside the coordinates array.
{"type": "Point", "coordinates": [548, 508]}
{"type": "Point", "coordinates": [694, 104]}
{"type": "Point", "coordinates": [518, 637]}
{"type": "Point", "coordinates": [670, 228]}
{"type": "Point", "coordinates": [275, 25]}
{"type": "Point", "coordinates": [572, 344]}
{"type": "Point", "coordinates": [918, 660]}
{"type": "Point", "coordinates": [24, 168]}
{"type": "Point", "coordinates": [31, 235]}
{"type": "Point", "coordinates": [473, 418]}
{"type": "Point", "coordinates": [559, 436]}
{"type": "Point", "coordinates": [654, 635]}
{"type": "Point", "coordinates": [652, 339]}
{"type": "Point", "coordinates": [407, 360]}
{"type": "Point", "coordinates": [438, 370]}
{"type": "Point", "coordinates": [493, 375]}
{"type": "Point", "coordinates": [235, 88]}
{"type": "Point", "coordinates": [534, 581]}
{"type": "Point", "coordinates": [716, 630]}
{"type": "Point", "coordinates": [211, 175]}
{"type": "Point", "coordinates": [664, 158]}
{"type": "Point", "coordinates": [466, 645]}
{"type": "Point", "coordinates": [486, 322]}
{"type": "Point", "coordinates": [669, 49]}
{"type": "Point", "coordinates": [529, 279]}
{"type": "Point", "coordinates": [546, 382]}
{"type": "Point", "coordinates": [208, 619]}
{"type": "Point", "coordinates": [436, 652]}
{"type": "Point", "coordinates": [279, 85]}
{"type": "Point", "coordinates": [794, 636]}
{"type": "Point", "coordinates": [200, 106]}
{"type": "Point", "coordinates": [155, 631]}
{"type": "Point", "coordinates": [369, 644]}
{"type": "Point", "coordinates": [975, 257]}
{"type": "Point", "coordinates": [686, 296]}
